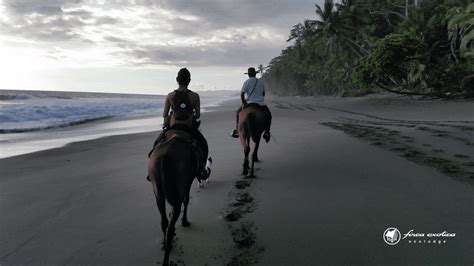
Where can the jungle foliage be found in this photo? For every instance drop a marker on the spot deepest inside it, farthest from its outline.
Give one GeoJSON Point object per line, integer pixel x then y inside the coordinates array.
{"type": "Point", "coordinates": [363, 46]}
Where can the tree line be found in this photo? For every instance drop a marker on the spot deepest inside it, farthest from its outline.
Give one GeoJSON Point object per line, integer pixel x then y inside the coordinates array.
{"type": "Point", "coordinates": [357, 47]}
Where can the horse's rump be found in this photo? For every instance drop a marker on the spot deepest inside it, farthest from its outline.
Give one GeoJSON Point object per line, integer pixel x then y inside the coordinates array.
{"type": "Point", "coordinates": [175, 134]}
{"type": "Point", "coordinates": [251, 127]}
{"type": "Point", "coordinates": [178, 168]}
{"type": "Point", "coordinates": [173, 166]}
{"type": "Point", "coordinates": [251, 122]}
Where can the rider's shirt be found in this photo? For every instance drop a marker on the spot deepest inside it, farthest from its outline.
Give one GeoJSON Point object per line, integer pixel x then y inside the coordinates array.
{"type": "Point", "coordinates": [257, 95]}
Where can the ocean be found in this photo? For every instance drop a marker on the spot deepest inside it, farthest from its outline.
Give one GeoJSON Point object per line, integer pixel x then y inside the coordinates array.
{"type": "Point", "coordinates": [32, 121]}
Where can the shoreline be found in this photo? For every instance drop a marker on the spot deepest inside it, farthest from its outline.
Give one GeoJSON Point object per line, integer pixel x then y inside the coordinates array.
{"type": "Point", "coordinates": [83, 131]}
{"type": "Point", "coordinates": [385, 97]}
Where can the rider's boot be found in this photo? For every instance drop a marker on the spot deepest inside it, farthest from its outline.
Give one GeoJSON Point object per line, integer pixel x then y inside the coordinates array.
{"type": "Point", "coordinates": [266, 136]}
{"type": "Point", "coordinates": [234, 134]}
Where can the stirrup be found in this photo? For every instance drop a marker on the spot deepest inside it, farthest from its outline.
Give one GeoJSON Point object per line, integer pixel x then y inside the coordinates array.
{"type": "Point", "coordinates": [266, 136]}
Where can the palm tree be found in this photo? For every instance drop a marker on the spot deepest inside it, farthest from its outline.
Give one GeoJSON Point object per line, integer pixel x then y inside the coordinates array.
{"type": "Point", "coordinates": [336, 26]}
{"type": "Point", "coordinates": [327, 19]}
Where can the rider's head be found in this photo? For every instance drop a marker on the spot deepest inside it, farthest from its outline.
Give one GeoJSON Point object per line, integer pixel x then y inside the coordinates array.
{"type": "Point", "coordinates": [251, 72]}
{"type": "Point", "coordinates": [184, 77]}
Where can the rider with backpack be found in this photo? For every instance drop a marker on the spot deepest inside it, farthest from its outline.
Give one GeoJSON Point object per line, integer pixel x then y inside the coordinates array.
{"type": "Point", "coordinates": [255, 91]}
{"type": "Point", "coordinates": [182, 111]}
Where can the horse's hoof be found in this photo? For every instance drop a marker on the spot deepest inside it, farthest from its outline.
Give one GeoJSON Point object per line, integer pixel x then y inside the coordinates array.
{"type": "Point", "coordinates": [185, 223]}
{"type": "Point", "coordinates": [250, 176]}
{"type": "Point", "coordinates": [257, 160]}
{"type": "Point", "coordinates": [200, 184]}
{"type": "Point", "coordinates": [164, 227]}
{"type": "Point", "coordinates": [207, 180]}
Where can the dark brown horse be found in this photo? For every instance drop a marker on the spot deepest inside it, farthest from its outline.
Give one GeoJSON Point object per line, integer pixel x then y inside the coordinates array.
{"type": "Point", "coordinates": [172, 168]}
{"type": "Point", "coordinates": [251, 127]}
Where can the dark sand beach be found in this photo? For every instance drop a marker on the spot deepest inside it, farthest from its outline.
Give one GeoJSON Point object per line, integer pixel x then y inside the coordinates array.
{"type": "Point", "coordinates": [337, 174]}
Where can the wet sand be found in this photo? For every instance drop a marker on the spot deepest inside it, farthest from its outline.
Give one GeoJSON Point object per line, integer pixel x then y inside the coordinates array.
{"type": "Point", "coordinates": [336, 175]}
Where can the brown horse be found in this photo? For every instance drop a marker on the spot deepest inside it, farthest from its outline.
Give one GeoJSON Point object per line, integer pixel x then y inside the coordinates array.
{"type": "Point", "coordinates": [251, 127]}
{"type": "Point", "coordinates": [172, 168]}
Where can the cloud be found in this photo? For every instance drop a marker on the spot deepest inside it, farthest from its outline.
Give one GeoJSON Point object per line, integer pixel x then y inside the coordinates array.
{"type": "Point", "coordinates": [229, 54]}
{"type": "Point", "coordinates": [167, 32]}
{"type": "Point", "coordinates": [50, 21]}
{"type": "Point", "coordinates": [229, 13]}
{"type": "Point", "coordinates": [46, 7]}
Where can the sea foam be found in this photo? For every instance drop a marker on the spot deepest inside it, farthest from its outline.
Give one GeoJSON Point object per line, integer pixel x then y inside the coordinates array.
{"type": "Point", "coordinates": [30, 111]}
{"type": "Point", "coordinates": [37, 120]}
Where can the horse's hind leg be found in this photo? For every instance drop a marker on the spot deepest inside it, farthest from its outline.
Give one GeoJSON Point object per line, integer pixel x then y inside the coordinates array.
{"type": "Point", "coordinates": [255, 154]}
{"type": "Point", "coordinates": [254, 158]}
{"type": "Point", "coordinates": [175, 212]}
{"type": "Point", "coordinates": [160, 202]}
{"type": "Point", "coordinates": [246, 160]}
{"type": "Point", "coordinates": [184, 220]}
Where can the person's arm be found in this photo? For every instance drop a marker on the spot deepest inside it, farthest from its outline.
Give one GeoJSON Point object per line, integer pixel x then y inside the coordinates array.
{"type": "Point", "coordinates": [243, 91]}
{"type": "Point", "coordinates": [242, 98]}
{"type": "Point", "coordinates": [166, 110]}
{"type": "Point", "coordinates": [197, 108]}
{"type": "Point", "coordinates": [167, 107]}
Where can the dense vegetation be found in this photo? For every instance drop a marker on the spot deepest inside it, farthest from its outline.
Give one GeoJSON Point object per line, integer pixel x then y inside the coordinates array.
{"type": "Point", "coordinates": [362, 46]}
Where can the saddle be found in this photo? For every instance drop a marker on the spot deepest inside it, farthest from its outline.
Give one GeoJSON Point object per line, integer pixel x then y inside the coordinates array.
{"type": "Point", "coordinates": [257, 106]}
{"type": "Point", "coordinates": [252, 104]}
{"type": "Point", "coordinates": [179, 133]}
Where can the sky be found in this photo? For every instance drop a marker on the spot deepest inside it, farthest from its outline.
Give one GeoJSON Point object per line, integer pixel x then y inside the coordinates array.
{"type": "Point", "coordinates": [138, 46]}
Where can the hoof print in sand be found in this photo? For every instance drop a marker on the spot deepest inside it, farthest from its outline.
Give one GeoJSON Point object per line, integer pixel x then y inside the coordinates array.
{"type": "Point", "coordinates": [470, 164]}
{"type": "Point", "coordinates": [244, 236]}
{"type": "Point", "coordinates": [243, 230]}
{"type": "Point", "coordinates": [442, 165]}
{"type": "Point", "coordinates": [238, 207]}
{"type": "Point", "coordinates": [411, 154]}
{"type": "Point", "coordinates": [241, 184]}
{"type": "Point", "coordinates": [233, 215]}
{"type": "Point", "coordinates": [394, 141]}
{"type": "Point", "coordinates": [245, 198]}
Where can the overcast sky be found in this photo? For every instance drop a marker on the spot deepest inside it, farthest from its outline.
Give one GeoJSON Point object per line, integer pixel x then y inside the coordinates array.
{"type": "Point", "coordinates": [137, 46]}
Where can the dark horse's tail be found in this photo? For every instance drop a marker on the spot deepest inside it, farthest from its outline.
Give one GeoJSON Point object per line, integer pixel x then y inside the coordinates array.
{"type": "Point", "coordinates": [178, 169]}
{"type": "Point", "coordinates": [250, 126]}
